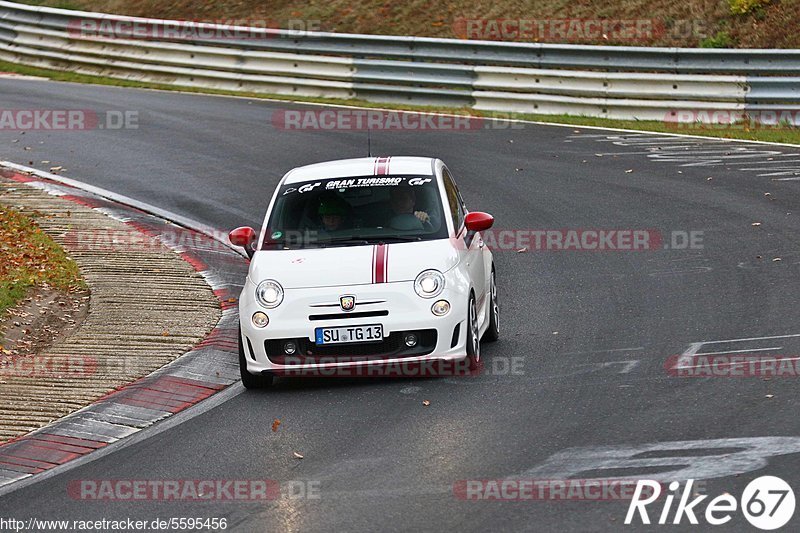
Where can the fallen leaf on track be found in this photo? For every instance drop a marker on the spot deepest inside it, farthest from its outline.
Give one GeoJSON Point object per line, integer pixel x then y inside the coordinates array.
{"type": "Point", "coordinates": [275, 424]}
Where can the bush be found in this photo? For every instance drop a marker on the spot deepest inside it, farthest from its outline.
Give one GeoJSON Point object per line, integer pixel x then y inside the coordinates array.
{"type": "Point", "coordinates": [721, 40]}
{"type": "Point", "coordinates": [741, 7]}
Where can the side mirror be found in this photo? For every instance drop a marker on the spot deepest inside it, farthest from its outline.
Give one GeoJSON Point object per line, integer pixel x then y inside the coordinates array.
{"type": "Point", "coordinates": [477, 221]}
{"type": "Point", "coordinates": [244, 237]}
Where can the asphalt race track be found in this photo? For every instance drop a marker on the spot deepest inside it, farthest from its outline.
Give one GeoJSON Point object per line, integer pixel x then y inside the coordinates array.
{"type": "Point", "coordinates": [590, 332]}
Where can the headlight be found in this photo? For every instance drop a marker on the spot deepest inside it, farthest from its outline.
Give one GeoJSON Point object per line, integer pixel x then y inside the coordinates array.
{"type": "Point", "coordinates": [440, 308]}
{"type": "Point", "coordinates": [269, 294]}
{"type": "Point", "coordinates": [260, 319]}
{"type": "Point", "coordinates": [429, 283]}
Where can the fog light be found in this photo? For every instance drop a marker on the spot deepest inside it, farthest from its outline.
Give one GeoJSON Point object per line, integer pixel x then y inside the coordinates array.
{"type": "Point", "coordinates": [289, 348]}
{"type": "Point", "coordinates": [411, 340]}
{"type": "Point", "coordinates": [260, 320]}
{"type": "Point", "coordinates": [441, 308]}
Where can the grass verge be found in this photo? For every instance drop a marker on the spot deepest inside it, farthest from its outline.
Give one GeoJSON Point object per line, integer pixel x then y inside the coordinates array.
{"type": "Point", "coordinates": [779, 133]}
{"type": "Point", "coordinates": [28, 258]}
{"type": "Point", "coordinates": [719, 23]}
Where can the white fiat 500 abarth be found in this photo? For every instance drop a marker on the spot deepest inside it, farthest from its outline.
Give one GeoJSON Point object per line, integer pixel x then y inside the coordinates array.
{"type": "Point", "coordinates": [362, 264]}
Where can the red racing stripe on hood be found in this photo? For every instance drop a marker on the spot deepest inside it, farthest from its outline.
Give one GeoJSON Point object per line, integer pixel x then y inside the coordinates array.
{"type": "Point", "coordinates": [381, 166]}
{"type": "Point", "coordinates": [379, 263]}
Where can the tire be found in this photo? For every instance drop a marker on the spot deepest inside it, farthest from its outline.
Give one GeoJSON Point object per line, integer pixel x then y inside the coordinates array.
{"type": "Point", "coordinates": [473, 338]}
{"type": "Point", "coordinates": [493, 333]}
{"type": "Point", "coordinates": [251, 381]}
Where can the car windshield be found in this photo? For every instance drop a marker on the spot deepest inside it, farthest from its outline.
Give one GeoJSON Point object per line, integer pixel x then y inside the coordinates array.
{"type": "Point", "coordinates": [354, 211]}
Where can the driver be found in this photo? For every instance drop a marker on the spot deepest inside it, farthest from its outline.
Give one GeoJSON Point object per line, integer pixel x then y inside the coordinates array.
{"type": "Point", "coordinates": [333, 212]}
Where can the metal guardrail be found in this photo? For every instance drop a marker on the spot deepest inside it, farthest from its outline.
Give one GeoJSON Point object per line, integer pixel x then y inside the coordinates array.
{"type": "Point", "coordinates": [601, 81]}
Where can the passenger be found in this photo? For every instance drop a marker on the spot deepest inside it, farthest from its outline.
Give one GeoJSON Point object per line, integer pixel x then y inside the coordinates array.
{"type": "Point", "coordinates": [402, 201]}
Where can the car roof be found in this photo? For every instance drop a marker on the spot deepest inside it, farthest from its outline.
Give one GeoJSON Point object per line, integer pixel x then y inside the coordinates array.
{"type": "Point", "coordinates": [363, 166]}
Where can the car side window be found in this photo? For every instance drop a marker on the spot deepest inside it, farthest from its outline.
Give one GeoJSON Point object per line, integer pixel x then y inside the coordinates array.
{"type": "Point", "coordinates": [453, 200]}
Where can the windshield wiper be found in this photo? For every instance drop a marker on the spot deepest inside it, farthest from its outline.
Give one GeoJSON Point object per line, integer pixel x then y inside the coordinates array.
{"type": "Point", "coordinates": [400, 238]}
{"type": "Point", "coordinates": [367, 240]}
{"type": "Point", "coordinates": [343, 240]}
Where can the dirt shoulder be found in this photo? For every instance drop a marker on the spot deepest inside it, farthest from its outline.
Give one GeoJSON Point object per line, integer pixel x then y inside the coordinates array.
{"type": "Point", "coordinates": [42, 318]}
{"type": "Point", "coordinates": [147, 307]}
{"type": "Point", "coordinates": [30, 258]}
{"type": "Point", "coordinates": [43, 297]}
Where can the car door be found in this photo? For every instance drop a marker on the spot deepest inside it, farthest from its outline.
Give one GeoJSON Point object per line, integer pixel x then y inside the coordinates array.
{"type": "Point", "coordinates": [469, 243]}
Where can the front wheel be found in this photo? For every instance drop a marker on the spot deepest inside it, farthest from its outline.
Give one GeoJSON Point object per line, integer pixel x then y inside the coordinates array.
{"type": "Point", "coordinates": [473, 339]}
{"type": "Point", "coordinates": [493, 332]}
{"type": "Point", "coordinates": [251, 381]}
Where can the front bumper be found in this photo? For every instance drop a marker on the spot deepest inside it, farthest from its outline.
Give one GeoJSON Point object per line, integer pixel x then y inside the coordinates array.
{"type": "Point", "coordinates": [393, 305]}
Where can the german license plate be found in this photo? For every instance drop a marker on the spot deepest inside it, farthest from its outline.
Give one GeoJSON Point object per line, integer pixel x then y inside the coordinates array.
{"type": "Point", "coordinates": [371, 333]}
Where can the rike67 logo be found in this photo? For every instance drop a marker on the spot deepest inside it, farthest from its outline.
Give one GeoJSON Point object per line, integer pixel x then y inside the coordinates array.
{"type": "Point", "coordinates": [767, 503]}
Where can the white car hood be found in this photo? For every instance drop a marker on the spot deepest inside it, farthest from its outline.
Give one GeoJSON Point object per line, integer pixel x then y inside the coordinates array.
{"type": "Point", "coordinates": [352, 265]}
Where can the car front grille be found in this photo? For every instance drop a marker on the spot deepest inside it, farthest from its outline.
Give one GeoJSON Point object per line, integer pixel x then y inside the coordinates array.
{"type": "Point", "coordinates": [391, 347]}
{"type": "Point", "coordinates": [339, 316]}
